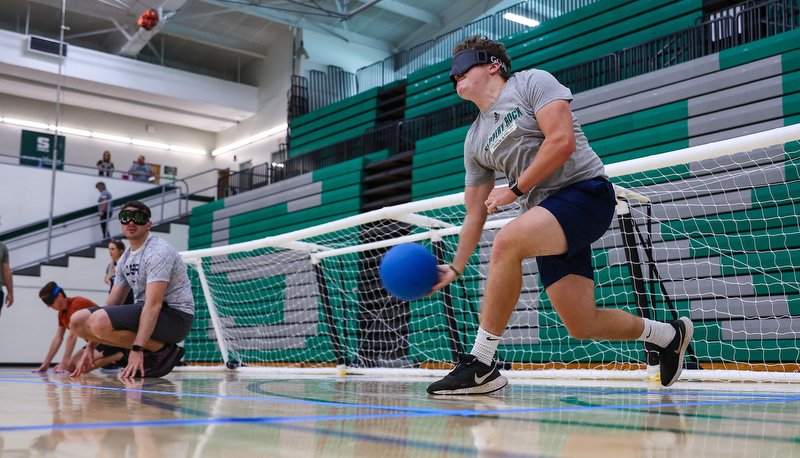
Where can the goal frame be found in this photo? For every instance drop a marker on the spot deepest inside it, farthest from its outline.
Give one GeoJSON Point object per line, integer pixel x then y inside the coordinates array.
{"type": "Point", "coordinates": [410, 213]}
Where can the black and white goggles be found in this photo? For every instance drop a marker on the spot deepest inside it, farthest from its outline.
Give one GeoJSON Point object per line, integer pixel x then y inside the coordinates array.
{"type": "Point", "coordinates": [468, 58]}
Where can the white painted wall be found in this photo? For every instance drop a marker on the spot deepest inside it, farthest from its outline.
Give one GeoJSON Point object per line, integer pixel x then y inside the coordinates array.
{"type": "Point", "coordinates": [273, 77]}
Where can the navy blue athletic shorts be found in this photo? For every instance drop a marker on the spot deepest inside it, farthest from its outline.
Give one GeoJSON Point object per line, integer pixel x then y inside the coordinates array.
{"type": "Point", "coordinates": [584, 210]}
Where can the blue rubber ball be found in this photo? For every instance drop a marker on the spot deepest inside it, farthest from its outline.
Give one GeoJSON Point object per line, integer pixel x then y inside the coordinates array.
{"type": "Point", "coordinates": [408, 271]}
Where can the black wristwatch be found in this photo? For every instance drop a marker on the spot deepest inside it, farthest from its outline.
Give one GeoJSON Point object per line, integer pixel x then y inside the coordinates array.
{"type": "Point", "coordinates": [512, 185]}
{"type": "Point", "coordinates": [137, 348]}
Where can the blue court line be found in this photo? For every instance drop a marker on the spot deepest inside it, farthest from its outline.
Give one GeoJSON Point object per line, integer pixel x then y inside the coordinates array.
{"type": "Point", "coordinates": [687, 404]}
{"type": "Point", "coordinates": [407, 413]}
{"type": "Point", "coordinates": [670, 393]}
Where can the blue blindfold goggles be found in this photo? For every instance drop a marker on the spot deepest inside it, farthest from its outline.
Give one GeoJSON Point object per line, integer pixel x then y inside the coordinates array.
{"type": "Point", "coordinates": [468, 58]}
{"type": "Point", "coordinates": [51, 299]}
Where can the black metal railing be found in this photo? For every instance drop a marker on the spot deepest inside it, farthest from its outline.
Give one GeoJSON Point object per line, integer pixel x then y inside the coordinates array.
{"type": "Point", "coordinates": [233, 183]}
{"type": "Point", "coordinates": [589, 75]}
{"type": "Point", "coordinates": [298, 97]}
{"type": "Point", "coordinates": [400, 65]}
{"type": "Point", "coordinates": [735, 26]}
{"type": "Point", "coordinates": [329, 87]}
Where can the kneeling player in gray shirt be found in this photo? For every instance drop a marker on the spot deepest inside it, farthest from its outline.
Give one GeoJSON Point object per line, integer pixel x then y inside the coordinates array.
{"type": "Point", "coordinates": [163, 309]}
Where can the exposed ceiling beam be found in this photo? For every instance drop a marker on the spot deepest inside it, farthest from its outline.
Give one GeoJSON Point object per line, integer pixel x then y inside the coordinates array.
{"type": "Point", "coordinates": [409, 11]}
{"type": "Point", "coordinates": [342, 13]}
{"type": "Point", "coordinates": [213, 40]}
{"type": "Point", "coordinates": [350, 37]}
{"type": "Point", "coordinates": [293, 20]}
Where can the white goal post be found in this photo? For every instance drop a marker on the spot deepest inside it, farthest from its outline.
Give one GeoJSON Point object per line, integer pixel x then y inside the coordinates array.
{"type": "Point", "coordinates": [711, 232]}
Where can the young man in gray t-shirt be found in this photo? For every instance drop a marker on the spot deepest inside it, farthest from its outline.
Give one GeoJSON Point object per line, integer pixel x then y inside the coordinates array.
{"type": "Point", "coordinates": [526, 130]}
{"type": "Point", "coordinates": [163, 308]}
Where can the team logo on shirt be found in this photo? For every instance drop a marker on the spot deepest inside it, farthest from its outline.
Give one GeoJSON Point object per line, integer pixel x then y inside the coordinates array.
{"type": "Point", "coordinates": [506, 126]}
{"type": "Point", "coordinates": [131, 269]}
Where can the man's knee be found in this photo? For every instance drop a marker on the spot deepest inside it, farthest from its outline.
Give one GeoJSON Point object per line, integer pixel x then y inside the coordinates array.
{"type": "Point", "coordinates": [505, 246]}
{"type": "Point", "coordinates": [581, 330]}
{"type": "Point", "coordinates": [89, 325]}
{"type": "Point", "coordinates": [78, 323]}
{"type": "Point", "coordinates": [100, 325]}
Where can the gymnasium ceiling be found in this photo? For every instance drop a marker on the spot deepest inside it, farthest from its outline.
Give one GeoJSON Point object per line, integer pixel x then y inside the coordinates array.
{"type": "Point", "coordinates": [218, 37]}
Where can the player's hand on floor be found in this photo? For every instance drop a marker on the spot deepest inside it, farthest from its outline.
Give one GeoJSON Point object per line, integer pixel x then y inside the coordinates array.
{"type": "Point", "coordinates": [83, 367]}
{"type": "Point", "coordinates": [135, 365]}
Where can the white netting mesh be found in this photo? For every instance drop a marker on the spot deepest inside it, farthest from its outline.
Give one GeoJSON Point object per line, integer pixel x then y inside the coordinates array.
{"type": "Point", "coordinates": [709, 232]}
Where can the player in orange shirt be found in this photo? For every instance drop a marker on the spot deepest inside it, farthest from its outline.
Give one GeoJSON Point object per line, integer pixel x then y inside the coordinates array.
{"type": "Point", "coordinates": [56, 298]}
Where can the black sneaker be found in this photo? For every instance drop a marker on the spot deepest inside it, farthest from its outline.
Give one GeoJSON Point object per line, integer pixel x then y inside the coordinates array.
{"type": "Point", "coordinates": [470, 376]}
{"type": "Point", "coordinates": [163, 361]}
{"type": "Point", "coordinates": [672, 357]}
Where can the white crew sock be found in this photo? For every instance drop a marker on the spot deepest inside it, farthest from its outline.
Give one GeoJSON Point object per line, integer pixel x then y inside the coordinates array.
{"type": "Point", "coordinates": [658, 333]}
{"type": "Point", "coordinates": [485, 346]}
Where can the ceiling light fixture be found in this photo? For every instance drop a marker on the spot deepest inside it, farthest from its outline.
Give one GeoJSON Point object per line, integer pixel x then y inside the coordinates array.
{"type": "Point", "coordinates": [149, 144]}
{"type": "Point", "coordinates": [113, 138]}
{"type": "Point", "coordinates": [300, 52]}
{"type": "Point", "coordinates": [521, 19]}
{"type": "Point", "coordinates": [71, 131]}
{"type": "Point", "coordinates": [23, 123]}
{"type": "Point", "coordinates": [253, 139]}
{"type": "Point", "coordinates": [101, 136]}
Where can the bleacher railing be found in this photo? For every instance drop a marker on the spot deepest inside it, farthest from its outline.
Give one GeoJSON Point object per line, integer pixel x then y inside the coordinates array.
{"type": "Point", "coordinates": [726, 29]}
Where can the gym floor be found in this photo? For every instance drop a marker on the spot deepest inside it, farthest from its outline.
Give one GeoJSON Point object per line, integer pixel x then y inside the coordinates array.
{"type": "Point", "coordinates": [249, 414]}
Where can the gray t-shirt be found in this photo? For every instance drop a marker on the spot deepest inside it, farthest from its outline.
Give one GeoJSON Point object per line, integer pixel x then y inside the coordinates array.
{"type": "Point", "coordinates": [156, 260]}
{"type": "Point", "coordinates": [141, 172]}
{"type": "Point", "coordinates": [104, 196]}
{"type": "Point", "coordinates": [506, 137]}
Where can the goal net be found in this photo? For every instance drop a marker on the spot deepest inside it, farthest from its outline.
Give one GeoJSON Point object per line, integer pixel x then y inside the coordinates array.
{"type": "Point", "coordinates": [710, 232]}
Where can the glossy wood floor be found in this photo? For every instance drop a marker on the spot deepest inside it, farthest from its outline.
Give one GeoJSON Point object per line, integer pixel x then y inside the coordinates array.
{"type": "Point", "coordinates": [227, 414]}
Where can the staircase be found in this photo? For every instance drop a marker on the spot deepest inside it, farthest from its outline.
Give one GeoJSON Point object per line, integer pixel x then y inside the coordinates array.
{"type": "Point", "coordinates": [163, 230]}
